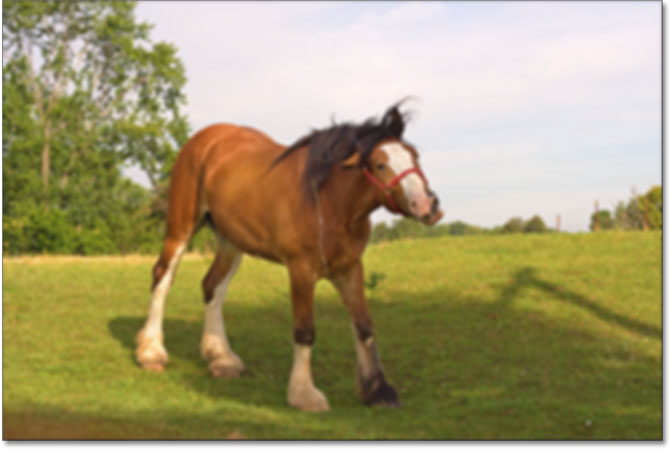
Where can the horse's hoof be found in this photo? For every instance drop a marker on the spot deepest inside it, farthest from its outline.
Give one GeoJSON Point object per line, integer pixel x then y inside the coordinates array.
{"type": "Point", "coordinates": [151, 354]}
{"type": "Point", "coordinates": [380, 393]}
{"type": "Point", "coordinates": [226, 368]}
{"type": "Point", "coordinates": [311, 400]}
{"type": "Point", "coordinates": [153, 367]}
{"type": "Point", "coordinates": [386, 396]}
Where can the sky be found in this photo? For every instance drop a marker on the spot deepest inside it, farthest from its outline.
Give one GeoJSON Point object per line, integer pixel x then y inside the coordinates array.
{"type": "Point", "coordinates": [521, 108]}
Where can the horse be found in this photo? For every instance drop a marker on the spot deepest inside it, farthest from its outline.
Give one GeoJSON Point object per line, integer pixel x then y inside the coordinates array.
{"type": "Point", "coordinates": [306, 206]}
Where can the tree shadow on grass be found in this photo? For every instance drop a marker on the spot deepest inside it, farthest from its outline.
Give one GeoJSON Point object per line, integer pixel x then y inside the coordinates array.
{"type": "Point", "coordinates": [527, 278]}
{"type": "Point", "coordinates": [466, 367]}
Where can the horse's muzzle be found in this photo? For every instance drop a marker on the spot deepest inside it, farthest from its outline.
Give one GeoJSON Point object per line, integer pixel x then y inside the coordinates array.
{"type": "Point", "coordinates": [435, 212]}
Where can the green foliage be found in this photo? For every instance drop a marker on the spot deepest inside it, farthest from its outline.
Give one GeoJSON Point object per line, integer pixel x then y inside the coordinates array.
{"type": "Point", "coordinates": [460, 228]}
{"type": "Point", "coordinates": [40, 231]}
{"type": "Point", "coordinates": [85, 93]}
{"type": "Point", "coordinates": [535, 225]}
{"type": "Point", "coordinates": [654, 200]}
{"type": "Point", "coordinates": [513, 225]}
{"type": "Point", "coordinates": [632, 215]}
{"type": "Point", "coordinates": [508, 337]}
{"type": "Point", "coordinates": [380, 232]}
{"type": "Point", "coordinates": [374, 279]}
{"type": "Point", "coordinates": [204, 241]}
{"type": "Point", "coordinates": [604, 218]}
{"type": "Point", "coordinates": [406, 228]}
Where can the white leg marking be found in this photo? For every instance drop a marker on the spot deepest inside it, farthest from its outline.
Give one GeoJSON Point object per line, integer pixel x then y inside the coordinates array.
{"type": "Point", "coordinates": [214, 345]}
{"type": "Point", "coordinates": [301, 391]}
{"type": "Point", "coordinates": [150, 351]}
{"type": "Point", "coordinates": [154, 325]}
{"type": "Point", "coordinates": [366, 362]}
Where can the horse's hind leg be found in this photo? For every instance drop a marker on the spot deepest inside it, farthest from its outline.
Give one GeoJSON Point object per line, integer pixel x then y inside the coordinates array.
{"type": "Point", "coordinates": [150, 352]}
{"type": "Point", "coordinates": [183, 216]}
{"type": "Point", "coordinates": [223, 362]}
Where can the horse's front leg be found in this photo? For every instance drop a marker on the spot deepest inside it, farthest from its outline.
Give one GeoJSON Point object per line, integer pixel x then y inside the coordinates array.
{"type": "Point", "coordinates": [371, 383]}
{"type": "Point", "coordinates": [301, 391]}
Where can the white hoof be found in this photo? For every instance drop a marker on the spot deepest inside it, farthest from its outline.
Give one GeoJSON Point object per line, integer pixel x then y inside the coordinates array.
{"type": "Point", "coordinates": [150, 353]}
{"type": "Point", "coordinates": [308, 398]}
{"type": "Point", "coordinates": [226, 367]}
{"type": "Point", "coordinates": [223, 362]}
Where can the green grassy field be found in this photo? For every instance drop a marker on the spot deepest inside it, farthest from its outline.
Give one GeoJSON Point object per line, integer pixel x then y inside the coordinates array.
{"type": "Point", "coordinates": [490, 337]}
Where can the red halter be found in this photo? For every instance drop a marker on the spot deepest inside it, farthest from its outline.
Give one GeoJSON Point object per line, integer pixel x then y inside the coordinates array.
{"type": "Point", "coordinates": [386, 188]}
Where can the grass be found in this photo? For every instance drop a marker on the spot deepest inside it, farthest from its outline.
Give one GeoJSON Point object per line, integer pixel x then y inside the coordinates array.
{"type": "Point", "coordinates": [492, 337]}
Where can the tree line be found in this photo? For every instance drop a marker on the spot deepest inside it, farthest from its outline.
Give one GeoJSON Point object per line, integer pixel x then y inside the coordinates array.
{"type": "Point", "coordinates": [641, 212]}
{"type": "Point", "coordinates": [407, 228]}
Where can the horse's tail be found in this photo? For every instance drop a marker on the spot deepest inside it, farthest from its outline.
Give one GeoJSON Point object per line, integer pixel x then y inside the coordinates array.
{"type": "Point", "coordinates": [185, 206]}
{"type": "Point", "coordinates": [184, 194]}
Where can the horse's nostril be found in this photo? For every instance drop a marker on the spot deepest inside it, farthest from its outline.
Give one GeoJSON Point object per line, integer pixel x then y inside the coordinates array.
{"type": "Point", "coordinates": [413, 204]}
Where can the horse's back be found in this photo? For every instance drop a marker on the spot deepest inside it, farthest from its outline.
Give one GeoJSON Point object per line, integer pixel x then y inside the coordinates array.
{"type": "Point", "coordinates": [199, 163]}
{"type": "Point", "coordinates": [221, 140]}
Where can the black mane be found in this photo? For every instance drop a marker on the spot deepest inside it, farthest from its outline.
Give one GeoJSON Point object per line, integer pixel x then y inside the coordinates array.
{"type": "Point", "coordinates": [338, 142]}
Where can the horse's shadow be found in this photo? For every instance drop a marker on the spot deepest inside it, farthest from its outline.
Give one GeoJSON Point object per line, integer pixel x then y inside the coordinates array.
{"type": "Point", "coordinates": [180, 337]}
{"type": "Point", "coordinates": [460, 327]}
{"type": "Point", "coordinates": [266, 360]}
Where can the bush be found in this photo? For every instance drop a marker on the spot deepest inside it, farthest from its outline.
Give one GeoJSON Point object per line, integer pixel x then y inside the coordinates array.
{"type": "Point", "coordinates": [93, 242]}
{"type": "Point", "coordinates": [535, 225]}
{"type": "Point", "coordinates": [49, 231]}
{"type": "Point", "coordinates": [514, 225]}
{"type": "Point", "coordinates": [605, 220]}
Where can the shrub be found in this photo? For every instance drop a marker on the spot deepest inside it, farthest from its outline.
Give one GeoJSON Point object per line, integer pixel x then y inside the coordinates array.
{"type": "Point", "coordinates": [514, 225]}
{"type": "Point", "coordinates": [535, 225]}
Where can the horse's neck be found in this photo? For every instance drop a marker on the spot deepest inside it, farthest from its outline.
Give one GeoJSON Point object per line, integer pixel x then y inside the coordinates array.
{"type": "Point", "coordinates": [350, 199]}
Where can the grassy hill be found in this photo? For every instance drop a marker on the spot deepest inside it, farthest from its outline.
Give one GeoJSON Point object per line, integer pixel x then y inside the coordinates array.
{"type": "Point", "coordinates": [488, 337]}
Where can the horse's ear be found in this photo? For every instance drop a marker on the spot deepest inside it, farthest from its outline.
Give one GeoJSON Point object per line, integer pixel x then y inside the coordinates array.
{"type": "Point", "coordinates": [353, 161]}
{"type": "Point", "coordinates": [394, 121]}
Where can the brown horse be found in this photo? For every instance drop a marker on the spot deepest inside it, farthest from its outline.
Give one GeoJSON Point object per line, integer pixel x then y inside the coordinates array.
{"type": "Point", "coordinates": [306, 206]}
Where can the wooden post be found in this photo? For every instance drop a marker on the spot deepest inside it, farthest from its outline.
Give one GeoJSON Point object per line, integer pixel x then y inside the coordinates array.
{"type": "Point", "coordinates": [596, 219]}
{"type": "Point", "coordinates": [558, 223]}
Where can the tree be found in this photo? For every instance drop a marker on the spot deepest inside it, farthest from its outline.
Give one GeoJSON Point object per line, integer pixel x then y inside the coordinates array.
{"type": "Point", "coordinates": [621, 219]}
{"type": "Point", "coordinates": [407, 228]}
{"type": "Point", "coordinates": [513, 225]}
{"type": "Point", "coordinates": [380, 232]}
{"type": "Point", "coordinates": [535, 225]}
{"type": "Point", "coordinates": [641, 208]}
{"type": "Point", "coordinates": [654, 207]}
{"type": "Point", "coordinates": [86, 93]}
{"type": "Point", "coordinates": [460, 228]}
{"type": "Point", "coordinates": [605, 220]}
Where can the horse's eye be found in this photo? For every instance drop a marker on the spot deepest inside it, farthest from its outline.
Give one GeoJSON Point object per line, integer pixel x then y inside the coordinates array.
{"type": "Point", "coordinates": [380, 166]}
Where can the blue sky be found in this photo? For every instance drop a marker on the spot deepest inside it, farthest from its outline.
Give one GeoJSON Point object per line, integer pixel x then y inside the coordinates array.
{"type": "Point", "coordinates": [524, 107]}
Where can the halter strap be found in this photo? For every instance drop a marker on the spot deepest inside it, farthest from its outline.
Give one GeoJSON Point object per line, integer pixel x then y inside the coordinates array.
{"type": "Point", "coordinates": [386, 188]}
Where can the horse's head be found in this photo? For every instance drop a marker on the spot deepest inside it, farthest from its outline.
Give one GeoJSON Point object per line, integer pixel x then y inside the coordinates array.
{"type": "Point", "coordinates": [377, 147]}
{"type": "Point", "coordinates": [393, 168]}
